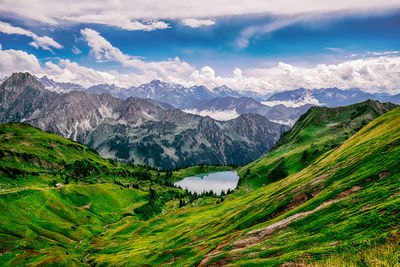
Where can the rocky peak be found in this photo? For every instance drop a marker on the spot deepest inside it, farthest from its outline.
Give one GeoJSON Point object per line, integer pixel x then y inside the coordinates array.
{"type": "Point", "coordinates": [17, 82]}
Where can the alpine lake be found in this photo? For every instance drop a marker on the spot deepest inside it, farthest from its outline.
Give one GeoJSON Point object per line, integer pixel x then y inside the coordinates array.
{"type": "Point", "coordinates": [205, 182]}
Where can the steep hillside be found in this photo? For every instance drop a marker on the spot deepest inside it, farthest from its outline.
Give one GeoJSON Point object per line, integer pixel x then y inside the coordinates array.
{"type": "Point", "coordinates": [319, 130]}
{"type": "Point", "coordinates": [342, 206]}
{"type": "Point", "coordinates": [136, 130]}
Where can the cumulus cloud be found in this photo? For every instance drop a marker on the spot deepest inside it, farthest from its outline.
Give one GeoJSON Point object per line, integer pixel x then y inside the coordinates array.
{"type": "Point", "coordinates": [43, 42]}
{"type": "Point", "coordinates": [196, 23]}
{"type": "Point", "coordinates": [16, 60]}
{"type": "Point", "coordinates": [103, 50]}
{"type": "Point", "coordinates": [373, 73]}
{"type": "Point", "coordinates": [130, 14]}
{"type": "Point", "coordinates": [63, 70]}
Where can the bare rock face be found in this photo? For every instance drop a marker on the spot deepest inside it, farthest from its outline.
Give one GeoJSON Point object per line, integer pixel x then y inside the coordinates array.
{"type": "Point", "coordinates": [59, 87]}
{"type": "Point", "coordinates": [136, 130]}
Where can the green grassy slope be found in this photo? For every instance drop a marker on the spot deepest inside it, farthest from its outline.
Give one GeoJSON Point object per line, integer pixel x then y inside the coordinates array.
{"type": "Point", "coordinates": [319, 130]}
{"type": "Point", "coordinates": [41, 223]}
{"type": "Point", "coordinates": [31, 157]}
{"type": "Point", "coordinates": [51, 225]}
{"type": "Point", "coordinates": [345, 203]}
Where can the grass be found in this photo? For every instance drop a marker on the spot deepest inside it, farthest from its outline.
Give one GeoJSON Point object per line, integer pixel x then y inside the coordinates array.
{"type": "Point", "coordinates": [318, 131]}
{"type": "Point", "coordinates": [54, 221]}
{"type": "Point", "coordinates": [342, 208]}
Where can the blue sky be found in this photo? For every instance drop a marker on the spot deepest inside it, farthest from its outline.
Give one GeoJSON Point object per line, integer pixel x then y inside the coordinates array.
{"type": "Point", "coordinates": [252, 42]}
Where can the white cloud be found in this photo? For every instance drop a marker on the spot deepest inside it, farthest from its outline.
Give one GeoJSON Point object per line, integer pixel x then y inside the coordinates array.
{"type": "Point", "coordinates": [43, 42]}
{"type": "Point", "coordinates": [196, 23]}
{"type": "Point", "coordinates": [219, 115]}
{"type": "Point", "coordinates": [17, 61]}
{"type": "Point", "coordinates": [129, 14]}
{"type": "Point", "coordinates": [335, 49]}
{"type": "Point", "coordinates": [373, 74]}
{"type": "Point", "coordinates": [105, 51]}
{"type": "Point", "coordinates": [384, 53]}
{"type": "Point", "coordinates": [63, 71]}
{"type": "Point", "coordinates": [120, 22]}
{"type": "Point", "coordinates": [243, 40]}
{"type": "Point", "coordinates": [76, 50]}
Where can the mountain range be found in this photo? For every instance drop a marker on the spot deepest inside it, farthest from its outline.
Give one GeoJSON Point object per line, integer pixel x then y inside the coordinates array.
{"type": "Point", "coordinates": [242, 105]}
{"type": "Point", "coordinates": [329, 97]}
{"type": "Point", "coordinates": [59, 87]}
{"type": "Point", "coordinates": [135, 129]}
{"type": "Point", "coordinates": [224, 103]}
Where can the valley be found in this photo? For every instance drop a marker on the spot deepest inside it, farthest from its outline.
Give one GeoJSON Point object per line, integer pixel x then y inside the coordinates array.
{"type": "Point", "coordinates": [343, 198]}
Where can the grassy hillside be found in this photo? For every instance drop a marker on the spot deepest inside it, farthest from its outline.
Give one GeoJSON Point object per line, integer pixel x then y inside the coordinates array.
{"type": "Point", "coordinates": [317, 131]}
{"type": "Point", "coordinates": [32, 157]}
{"type": "Point", "coordinates": [52, 225]}
{"type": "Point", "coordinates": [44, 223]}
{"type": "Point", "coordinates": [338, 209]}
{"type": "Point", "coordinates": [342, 208]}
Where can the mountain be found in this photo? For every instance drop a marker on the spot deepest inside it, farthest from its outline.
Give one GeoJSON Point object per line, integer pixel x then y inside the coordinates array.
{"type": "Point", "coordinates": [242, 105]}
{"type": "Point", "coordinates": [330, 97]}
{"type": "Point", "coordinates": [183, 97]}
{"type": "Point", "coordinates": [22, 96]}
{"type": "Point", "coordinates": [174, 94]}
{"type": "Point", "coordinates": [225, 91]}
{"type": "Point", "coordinates": [316, 132]}
{"type": "Point", "coordinates": [111, 89]}
{"type": "Point", "coordinates": [135, 130]}
{"type": "Point", "coordinates": [162, 105]}
{"type": "Point", "coordinates": [59, 87]}
{"type": "Point", "coordinates": [339, 210]}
